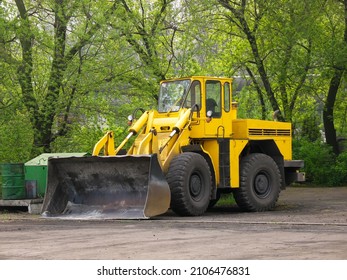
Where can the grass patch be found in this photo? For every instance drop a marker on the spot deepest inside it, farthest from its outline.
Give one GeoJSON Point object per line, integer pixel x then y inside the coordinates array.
{"type": "Point", "coordinates": [226, 200]}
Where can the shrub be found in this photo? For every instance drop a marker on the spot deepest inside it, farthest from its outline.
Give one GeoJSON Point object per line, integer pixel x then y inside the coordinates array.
{"type": "Point", "coordinates": [340, 174]}
{"type": "Point", "coordinates": [322, 166]}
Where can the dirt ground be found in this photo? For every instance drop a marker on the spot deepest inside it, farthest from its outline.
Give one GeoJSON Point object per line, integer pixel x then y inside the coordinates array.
{"type": "Point", "coordinates": [308, 223]}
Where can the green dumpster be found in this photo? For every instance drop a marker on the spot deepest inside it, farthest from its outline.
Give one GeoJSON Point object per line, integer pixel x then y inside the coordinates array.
{"type": "Point", "coordinates": [12, 181]}
{"type": "Point", "coordinates": [36, 173]}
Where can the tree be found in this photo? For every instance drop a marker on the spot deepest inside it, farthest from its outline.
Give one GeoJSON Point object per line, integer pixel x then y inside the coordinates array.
{"type": "Point", "coordinates": [67, 43]}
{"type": "Point", "coordinates": [58, 43]}
{"type": "Point", "coordinates": [338, 66]}
{"type": "Point", "coordinates": [248, 22]}
{"type": "Point", "coordinates": [71, 67]}
{"type": "Point", "coordinates": [280, 47]}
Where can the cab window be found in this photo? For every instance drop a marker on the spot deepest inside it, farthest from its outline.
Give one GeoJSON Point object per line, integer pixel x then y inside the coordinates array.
{"type": "Point", "coordinates": [193, 96]}
{"type": "Point", "coordinates": [213, 98]}
{"type": "Point", "coordinates": [226, 97]}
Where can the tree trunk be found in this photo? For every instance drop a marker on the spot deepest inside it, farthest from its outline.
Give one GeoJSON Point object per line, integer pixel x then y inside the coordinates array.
{"type": "Point", "coordinates": [241, 21]}
{"type": "Point", "coordinates": [24, 73]}
{"type": "Point", "coordinates": [262, 72]}
{"type": "Point", "coordinates": [259, 92]}
{"type": "Point", "coordinates": [57, 73]}
{"type": "Point", "coordinates": [328, 113]}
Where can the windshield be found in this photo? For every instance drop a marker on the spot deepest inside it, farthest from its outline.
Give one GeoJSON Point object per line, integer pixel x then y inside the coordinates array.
{"type": "Point", "coordinates": [172, 94]}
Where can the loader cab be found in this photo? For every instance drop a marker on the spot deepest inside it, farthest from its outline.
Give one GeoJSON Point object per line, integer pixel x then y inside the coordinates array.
{"type": "Point", "coordinates": [214, 94]}
{"type": "Point", "coordinates": [217, 107]}
{"type": "Point", "coordinates": [209, 98]}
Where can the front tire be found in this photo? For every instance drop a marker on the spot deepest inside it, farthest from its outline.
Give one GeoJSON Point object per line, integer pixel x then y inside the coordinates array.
{"type": "Point", "coordinates": [190, 181]}
{"type": "Point", "coordinates": [260, 182]}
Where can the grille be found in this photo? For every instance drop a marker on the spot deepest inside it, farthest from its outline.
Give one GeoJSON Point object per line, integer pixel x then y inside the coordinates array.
{"type": "Point", "coordinates": [268, 132]}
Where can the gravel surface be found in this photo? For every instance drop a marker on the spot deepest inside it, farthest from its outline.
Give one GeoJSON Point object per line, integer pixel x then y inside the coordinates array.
{"type": "Point", "coordinates": [308, 223]}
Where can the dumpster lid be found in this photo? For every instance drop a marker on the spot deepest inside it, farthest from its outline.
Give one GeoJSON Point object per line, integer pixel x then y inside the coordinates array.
{"type": "Point", "coordinates": [42, 159]}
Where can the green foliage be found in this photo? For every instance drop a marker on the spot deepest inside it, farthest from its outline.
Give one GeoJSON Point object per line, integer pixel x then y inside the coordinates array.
{"type": "Point", "coordinates": [249, 106]}
{"type": "Point", "coordinates": [115, 53]}
{"type": "Point", "coordinates": [341, 169]}
{"type": "Point", "coordinates": [322, 166]}
{"type": "Point", "coordinates": [16, 136]}
{"type": "Point", "coordinates": [310, 129]}
{"type": "Point", "coordinates": [80, 139]}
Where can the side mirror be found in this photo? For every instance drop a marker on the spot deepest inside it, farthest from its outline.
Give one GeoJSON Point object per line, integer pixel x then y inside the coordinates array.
{"type": "Point", "coordinates": [133, 115]}
{"type": "Point", "coordinates": [130, 119]}
{"type": "Point", "coordinates": [209, 116]}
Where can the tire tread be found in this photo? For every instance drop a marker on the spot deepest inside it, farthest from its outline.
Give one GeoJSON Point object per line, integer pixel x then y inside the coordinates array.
{"type": "Point", "coordinates": [176, 177]}
{"type": "Point", "coordinates": [242, 194]}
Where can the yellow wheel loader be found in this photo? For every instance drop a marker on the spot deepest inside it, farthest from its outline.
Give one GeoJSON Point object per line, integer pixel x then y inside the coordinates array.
{"type": "Point", "coordinates": [183, 156]}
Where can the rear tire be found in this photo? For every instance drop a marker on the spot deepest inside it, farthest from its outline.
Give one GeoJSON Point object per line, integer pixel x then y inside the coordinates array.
{"type": "Point", "coordinates": [260, 182]}
{"type": "Point", "coordinates": [189, 178]}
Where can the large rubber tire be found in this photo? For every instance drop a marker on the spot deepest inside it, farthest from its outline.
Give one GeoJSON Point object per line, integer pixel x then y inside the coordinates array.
{"type": "Point", "coordinates": [189, 178]}
{"type": "Point", "coordinates": [260, 182]}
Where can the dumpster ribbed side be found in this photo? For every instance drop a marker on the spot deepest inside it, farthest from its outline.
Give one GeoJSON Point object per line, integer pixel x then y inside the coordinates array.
{"type": "Point", "coordinates": [12, 181]}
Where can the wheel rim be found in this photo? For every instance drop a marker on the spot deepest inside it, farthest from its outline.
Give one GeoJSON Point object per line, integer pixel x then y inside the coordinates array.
{"type": "Point", "coordinates": [261, 185]}
{"type": "Point", "coordinates": [196, 186]}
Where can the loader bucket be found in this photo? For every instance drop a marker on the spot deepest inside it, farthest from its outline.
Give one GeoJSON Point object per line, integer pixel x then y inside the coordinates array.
{"type": "Point", "coordinates": [117, 187]}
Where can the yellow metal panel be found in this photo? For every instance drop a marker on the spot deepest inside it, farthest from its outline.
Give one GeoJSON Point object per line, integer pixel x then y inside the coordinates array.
{"type": "Point", "coordinates": [106, 142]}
{"type": "Point", "coordinates": [145, 147]}
{"type": "Point", "coordinates": [285, 147]}
{"type": "Point", "coordinates": [162, 139]}
{"type": "Point", "coordinates": [164, 123]}
{"type": "Point", "coordinates": [197, 126]}
{"type": "Point", "coordinates": [280, 132]}
{"type": "Point", "coordinates": [212, 128]}
{"type": "Point", "coordinates": [236, 147]}
{"type": "Point", "coordinates": [258, 129]}
{"type": "Point", "coordinates": [212, 149]}
{"type": "Point", "coordinates": [136, 144]}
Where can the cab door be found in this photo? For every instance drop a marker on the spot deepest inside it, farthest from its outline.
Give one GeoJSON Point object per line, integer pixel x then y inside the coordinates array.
{"type": "Point", "coordinates": [213, 105]}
